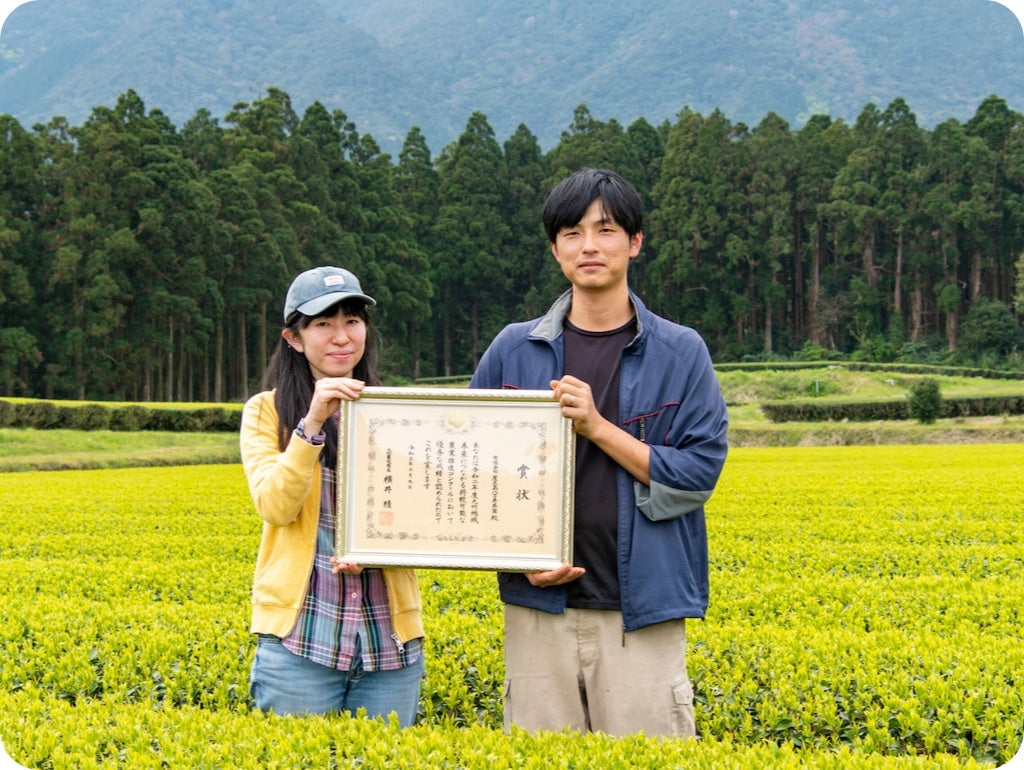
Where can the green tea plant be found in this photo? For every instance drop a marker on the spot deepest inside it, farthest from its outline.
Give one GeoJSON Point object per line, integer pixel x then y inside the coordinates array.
{"type": "Point", "coordinates": [865, 614]}
{"type": "Point", "coordinates": [925, 400]}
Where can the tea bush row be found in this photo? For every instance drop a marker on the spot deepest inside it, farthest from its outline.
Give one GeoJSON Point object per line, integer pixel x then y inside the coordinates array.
{"type": "Point", "coordinates": [865, 613]}
{"type": "Point", "coordinates": [47, 415]}
{"type": "Point", "coordinates": [98, 734]}
{"type": "Point", "coordinates": [920, 370]}
{"type": "Point", "coordinates": [803, 410]}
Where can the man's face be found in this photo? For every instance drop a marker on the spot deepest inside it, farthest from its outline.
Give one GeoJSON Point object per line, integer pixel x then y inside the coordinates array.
{"type": "Point", "coordinates": [594, 254]}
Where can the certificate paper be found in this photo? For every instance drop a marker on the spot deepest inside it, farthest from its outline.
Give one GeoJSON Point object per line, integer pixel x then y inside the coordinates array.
{"type": "Point", "coordinates": [455, 478]}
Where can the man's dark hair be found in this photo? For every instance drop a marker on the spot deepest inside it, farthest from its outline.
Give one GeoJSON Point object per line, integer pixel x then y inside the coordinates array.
{"type": "Point", "coordinates": [571, 198]}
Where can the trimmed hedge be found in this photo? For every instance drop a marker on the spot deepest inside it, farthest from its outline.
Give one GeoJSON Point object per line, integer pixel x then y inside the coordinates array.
{"type": "Point", "coordinates": [130, 418]}
{"type": "Point", "coordinates": [48, 415]}
{"type": "Point", "coordinates": [871, 411]}
{"type": "Point", "coordinates": [861, 366]}
{"type": "Point", "coordinates": [37, 414]}
{"type": "Point", "coordinates": [7, 415]}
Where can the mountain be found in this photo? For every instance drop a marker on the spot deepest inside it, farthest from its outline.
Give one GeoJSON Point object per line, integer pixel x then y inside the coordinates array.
{"type": "Point", "coordinates": [393, 64]}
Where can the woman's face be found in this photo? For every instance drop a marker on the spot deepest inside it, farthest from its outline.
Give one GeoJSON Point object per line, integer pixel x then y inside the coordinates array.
{"type": "Point", "coordinates": [332, 344]}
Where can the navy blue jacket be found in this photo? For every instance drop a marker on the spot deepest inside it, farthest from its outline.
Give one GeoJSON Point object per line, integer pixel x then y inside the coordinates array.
{"type": "Point", "coordinates": [669, 398]}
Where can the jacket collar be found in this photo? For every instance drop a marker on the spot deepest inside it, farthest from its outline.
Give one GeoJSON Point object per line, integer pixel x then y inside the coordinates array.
{"type": "Point", "coordinates": [549, 326]}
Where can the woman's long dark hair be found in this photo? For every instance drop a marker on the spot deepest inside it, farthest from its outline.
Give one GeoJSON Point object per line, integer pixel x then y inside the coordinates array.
{"type": "Point", "coordinates": [289, 374]}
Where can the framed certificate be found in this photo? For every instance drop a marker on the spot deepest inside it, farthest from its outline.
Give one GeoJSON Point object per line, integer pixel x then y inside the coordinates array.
{"type": "Point", "coordinates": [455, 478]}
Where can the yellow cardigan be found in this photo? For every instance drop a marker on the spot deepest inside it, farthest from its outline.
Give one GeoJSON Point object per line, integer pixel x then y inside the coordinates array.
{"type": "Point", "coordinates": [285, 487]}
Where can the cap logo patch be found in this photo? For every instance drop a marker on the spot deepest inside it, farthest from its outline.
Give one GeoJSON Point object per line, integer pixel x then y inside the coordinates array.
{"type": "Point", "coordinates": [334, 280]}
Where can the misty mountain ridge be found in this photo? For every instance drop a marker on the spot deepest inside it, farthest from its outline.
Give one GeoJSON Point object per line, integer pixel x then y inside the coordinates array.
{"type": "Point", "coordinates": [393, 64]}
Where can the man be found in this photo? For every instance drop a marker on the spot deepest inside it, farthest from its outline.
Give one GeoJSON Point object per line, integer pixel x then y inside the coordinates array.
{"type": "Point", "coordinates": [600, 645]}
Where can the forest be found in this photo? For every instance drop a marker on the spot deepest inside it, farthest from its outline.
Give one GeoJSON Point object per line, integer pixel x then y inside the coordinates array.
{"type": "Point", "coordinates": [143, 261]}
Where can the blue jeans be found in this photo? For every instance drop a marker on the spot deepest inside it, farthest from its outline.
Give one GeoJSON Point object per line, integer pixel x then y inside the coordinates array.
{"type": "Point", "coordinates": [285, 683]}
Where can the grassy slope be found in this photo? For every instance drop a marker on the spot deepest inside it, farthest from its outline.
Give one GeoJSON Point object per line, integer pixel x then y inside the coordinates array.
{"type": "Point", "coordinates": [748, 426]}
{"type": "Point", "coordinates": [22, 450]}
{"type": "Point", "coordinates": [28, 449]}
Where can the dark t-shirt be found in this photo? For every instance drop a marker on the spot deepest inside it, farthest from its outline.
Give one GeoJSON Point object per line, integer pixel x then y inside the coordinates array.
{"type": "Point", "coordinates": [595, 357]}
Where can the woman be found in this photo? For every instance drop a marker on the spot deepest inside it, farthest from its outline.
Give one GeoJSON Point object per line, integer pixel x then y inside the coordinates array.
{"type": "Point", "coordinates": [331, 635]}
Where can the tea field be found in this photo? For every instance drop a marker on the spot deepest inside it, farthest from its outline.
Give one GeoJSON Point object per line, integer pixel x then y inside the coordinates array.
{"type": "Point", "coordinates": [867, 609]}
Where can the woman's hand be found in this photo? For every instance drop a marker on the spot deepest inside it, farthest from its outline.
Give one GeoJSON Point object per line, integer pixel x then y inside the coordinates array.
{"type": "Point", "coordinates": [348, 567]}
{"type": "Point", "coordinates": [328, 394]}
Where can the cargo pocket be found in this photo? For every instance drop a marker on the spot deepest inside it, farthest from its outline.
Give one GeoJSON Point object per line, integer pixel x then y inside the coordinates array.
{"type": "Point", "coordinates": [507, 704]}
{"type": "Point", "coordinates": [682, 707]}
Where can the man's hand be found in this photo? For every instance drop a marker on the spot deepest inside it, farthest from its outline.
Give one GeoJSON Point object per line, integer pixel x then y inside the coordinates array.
{"type": "Point", "coordinates": [577, 402]}
{"type": "Point", "coordinates": [555, 577]}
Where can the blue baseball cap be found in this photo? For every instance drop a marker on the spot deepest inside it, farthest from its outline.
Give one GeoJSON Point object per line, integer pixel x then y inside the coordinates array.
{"type": "Point", "coordinates": [313, 291]}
